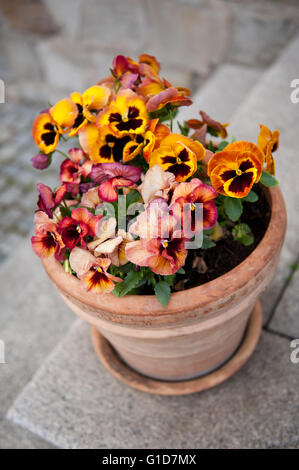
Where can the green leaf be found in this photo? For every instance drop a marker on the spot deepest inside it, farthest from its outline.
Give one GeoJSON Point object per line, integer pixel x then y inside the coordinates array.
{"type": "Point", "coordinates": [169, 279]}
{"type": "Point", "coordinates": [233, 208]}
{"type": "Point", "coordinates": [251, 197]}
{"type": "Point", "coordinates": [132, 197]}
{"type": "Point", "coordinates": [207, 243]}
{"type": "Point", "coordinates": [222, 145]}
{"type": "Point", "coordinates": [132, 280]}
{"type": "Point", "coordinates": [184, 128]}
{"type": "Point", "coordinates": [212, 131]}
{"type": "Point", "coordinates": [162, 291]}
{"type": "Point", "coordinates": [268, 180]}
{"type": "Point", "coordinates": [242, 233]}
{"type": "Point", "coordinates": [181, 271]}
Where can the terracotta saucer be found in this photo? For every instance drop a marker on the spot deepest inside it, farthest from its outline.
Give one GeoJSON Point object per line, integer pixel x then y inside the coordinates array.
{"type": "Point", "coordinates": [125, 374]}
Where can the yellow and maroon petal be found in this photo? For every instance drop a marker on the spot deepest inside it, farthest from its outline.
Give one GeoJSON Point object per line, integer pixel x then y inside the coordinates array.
{"type": "Point", "coordinates": [149, 144]}
{"type": "Point", "coordinates": [43, 245]}
{"type": "Point", "coordinates": [241, 185]}
{"type": "Point", "coordinates": [45, 133]}
{"type": "Point", "coordinates": [176, 158]}
{"type": "Point", "coordinates": [97, 280]}
{"type": "Point", "coordinates": [64, 113]}
{"type": "Point", "coordinates": [132, 149]}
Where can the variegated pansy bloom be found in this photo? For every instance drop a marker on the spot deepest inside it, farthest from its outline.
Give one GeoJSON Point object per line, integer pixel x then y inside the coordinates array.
{"type": "Point", "coordinates": [234, 170]}
{"type": "Point", "coordinates": [179, 155]}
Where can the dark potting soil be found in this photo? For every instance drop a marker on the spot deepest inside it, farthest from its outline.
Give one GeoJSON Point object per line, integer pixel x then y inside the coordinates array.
{"type": "Point", "coordinates": [227, 253]}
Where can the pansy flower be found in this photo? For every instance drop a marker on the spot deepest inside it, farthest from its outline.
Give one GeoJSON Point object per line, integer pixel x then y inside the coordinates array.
{"type": "Point", "coordinates": [159, 92]}
{"type": "Point", "coordinates": [111, 176]}
{"type": "Point", "coordinates": [110, 244]}
{"type": "Point", "coordinates": [126, 114]}
{"type": "Point", "coordinates": [139, 144]}
{"type": "Point", "coordinates": [179, 155]}
{"type": "Point", "coordinates": [122, 65]}
{"type": "Point", "coordinates": [207, 124]}
{"type": "Point", "coordinates": [156, 183]}
{"type": "Point", "coordinates": [191, 193]}
{"type": "Point", "coordinates": [151, 61]}
{"type": "Point", "coordinates": [93, 271]}
{"type": "Point", "coordinates": [102, 145]}
{"type": "Point", "coordinates": [64, 113]}
{"type": "Point", "coordinates": [76, 228]}
{"type": "Point", "coordinates": [268, 143]}
{"type": "Point", "coordinates": [159, 247]}
{"type": "Point", "coordinates": [71, 169]}
{"type": "Point", "coordinates": [91, 198]}
{"type": "Point", "coordinates": [49, 200]}
{"type": "Point", "coordinates": [45, 132]}
{"type": "Point", "coordinates": [234, 170]}
{"type": "Point", "coordinates": [93, 99]}
{"type": "Point", "coordinates": [47, 240]}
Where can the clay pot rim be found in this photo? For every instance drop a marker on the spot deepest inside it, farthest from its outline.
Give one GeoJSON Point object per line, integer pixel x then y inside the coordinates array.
{"type": "Point", "coordinates": [186, 300]}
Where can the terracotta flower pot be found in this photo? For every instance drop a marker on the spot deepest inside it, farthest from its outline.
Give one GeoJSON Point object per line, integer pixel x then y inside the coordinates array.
{"type": "Point", "coordinates": [200, 328]}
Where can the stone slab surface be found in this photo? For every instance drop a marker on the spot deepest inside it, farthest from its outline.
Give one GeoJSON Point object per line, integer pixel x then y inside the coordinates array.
{"type": "Point", "coordinates": [222, 93]}
{"type": "Point", "coordinates": [269, 103]}
{"type": "Point", "coordinates": [33, 319]}
{"type": "Point", "coordinates": [74, 402]}
{"type": "Point", "coordinates": [286, 317]}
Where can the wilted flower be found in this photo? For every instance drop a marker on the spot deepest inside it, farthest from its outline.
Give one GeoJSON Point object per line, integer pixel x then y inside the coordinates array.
{"type": "Point", "coordinates": [41, 161]}
{"type": "Point", "coordinates": [207, 124]}
{"type": "Point", "coordinates": [156, 183]}
{"type": "Point", "coordinates": [268, 143]}
{"type": "Point", "coordinates": [47, 200]}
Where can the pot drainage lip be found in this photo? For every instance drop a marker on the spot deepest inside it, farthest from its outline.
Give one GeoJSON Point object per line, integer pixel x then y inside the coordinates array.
{"type": "Point", "coordinates": [125, 374]}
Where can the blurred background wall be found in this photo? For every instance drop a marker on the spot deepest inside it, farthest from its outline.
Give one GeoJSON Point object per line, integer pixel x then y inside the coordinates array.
{"type": "Point", "coordinates": [49, 47]}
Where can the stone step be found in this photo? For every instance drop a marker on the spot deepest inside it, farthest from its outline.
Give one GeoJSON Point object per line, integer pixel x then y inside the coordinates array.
{"type": "Point", "coordinates": [33, 319]}
{"type": "Point", "coordinates": [74, 402]}
{"type": "Point", "coordinates": [286, 316]}
{"type": "Point", "coordinates": [269, 103]}
{"type": "Point", "coordinates": [222, 93]}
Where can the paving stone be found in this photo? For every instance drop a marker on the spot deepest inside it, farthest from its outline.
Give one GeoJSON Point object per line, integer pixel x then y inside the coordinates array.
{"type": "Point", "coordinates": [15, 437]}
{"type": "Point", "coordinates": [269, 103]}
{"type": "Point", "coordinates": [286, 317]}
{"type": "Point", "coordinates": [74, 402]}
{"type": "Point", "coordinates": [32, 320]}
{"type": "Point", "coordinates": [222, 93]}
{"type": "Point", "coordinates": [10, 195]}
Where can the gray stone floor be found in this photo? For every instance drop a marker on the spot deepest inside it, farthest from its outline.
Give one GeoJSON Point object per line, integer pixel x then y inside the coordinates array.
{"type": "Point", "coordinates": [54, 391]}
{"type": "Point", "coordinates": [74, 402]}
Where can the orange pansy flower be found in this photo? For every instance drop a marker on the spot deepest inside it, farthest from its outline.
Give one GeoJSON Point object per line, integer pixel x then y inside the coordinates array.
{"type": "Point", "coordinates": [45, 132]}
{"type": "Point", "coordinates": [234, 170]}
{"type": "Point", "coordinates": [179, 155]}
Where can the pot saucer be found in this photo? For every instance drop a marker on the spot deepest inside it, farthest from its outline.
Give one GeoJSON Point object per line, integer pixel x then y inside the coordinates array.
{"type": "Point", "coordinates": [124, 373]}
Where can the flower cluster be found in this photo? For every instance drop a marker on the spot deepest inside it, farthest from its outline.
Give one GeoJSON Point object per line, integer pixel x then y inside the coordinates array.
{"type": "Point", "coordinates": [126, 160]}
